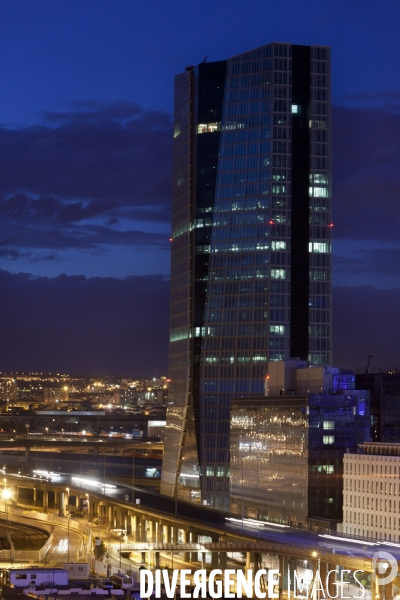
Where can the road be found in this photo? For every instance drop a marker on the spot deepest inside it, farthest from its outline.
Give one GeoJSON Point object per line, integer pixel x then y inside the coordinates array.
{"type": "Point", "coordinates": [59, 552]}
{"type": "Point", "coordinates": [230, 523]}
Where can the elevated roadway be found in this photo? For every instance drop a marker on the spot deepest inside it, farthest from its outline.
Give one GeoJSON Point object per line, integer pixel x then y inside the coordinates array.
{"type": "Point", "coordinates": [157, 519]}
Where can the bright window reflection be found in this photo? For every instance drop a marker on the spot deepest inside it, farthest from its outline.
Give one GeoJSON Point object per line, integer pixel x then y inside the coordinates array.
{"type": "Point", "coordinates": [278, 245]}
{"type": "Point", "coordinates": [208, 127]}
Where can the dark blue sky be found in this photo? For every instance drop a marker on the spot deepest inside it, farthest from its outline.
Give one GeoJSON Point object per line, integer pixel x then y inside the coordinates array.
{"type": "Point", "coordinates": [85, 169]}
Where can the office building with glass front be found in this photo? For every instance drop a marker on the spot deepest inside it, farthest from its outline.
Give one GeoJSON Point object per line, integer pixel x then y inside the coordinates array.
{"type": "Point", "coordinates": [287, 455]}
{"type": "Point", "coordinates": [251, 245]}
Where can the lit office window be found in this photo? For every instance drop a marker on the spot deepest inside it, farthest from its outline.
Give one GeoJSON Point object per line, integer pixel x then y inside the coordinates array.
{"type": "Point", "coordinates": [328, 439]}
{"type": "Point", "coordinates": [208, 127]}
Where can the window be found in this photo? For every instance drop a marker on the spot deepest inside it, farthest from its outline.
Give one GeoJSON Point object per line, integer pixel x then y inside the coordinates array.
{"type": "Point", "coordinates": [328, 439]}
{"type": "Point", "coordinates": [319, 247]}
{"type": "Point", "coordinates": [278, 274]}
{"type": "Point", "coordinates": [278, 245]}
{"type": "Point", "coordinates": [318, 192]}
{"type": "Point", "coordinates": [277, 329]}
{"type": "Point", "coordinates": [329, 425]}
{"type": "Point", "coordinates": [295, 109]}
{"type": "Point", "coordinates": [319, 178]}
{"type": "Point", "coordinates": [208, 127]}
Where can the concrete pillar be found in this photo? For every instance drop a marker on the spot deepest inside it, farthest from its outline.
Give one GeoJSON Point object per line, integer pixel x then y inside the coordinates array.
{"type": "Point", "coordinates": [174, 535]}
{"type": "Point", "coordinates": [143, 530]}
{"type": "Point", "coordinates": [14, 495]}
{"type": "Point", "coordinates": [185, 540]}
{"type": "Point", "coordinates": [45, 501]}
{"type": "Point", "coordinates": [128, 523]}
{"type": "Point", "coordinates": [248, 562]}
{"type": "Point", "coordinates": [77, 500]}
{"type": "Point", "coordinates": [92, 509]}
{"type": "Point", "coordinates": [374, 590]}
{"type": "Point", "coordinates": [214, 560]}
{"type": "Point", "coordinates": [314, 573]}
{"type": "Point", "coordinates": [34, 496]}
{"type": "Point", "coordinates": [323, 571]}
{"type": "Point", "coordinates": [203, 560]}
{"type": "Point", "coordinates": [157, 557]}
{"type": "Point", "coordinates": [110, 511]}
{"type": "Point", "coordinates": [151, 531]}
{"type": "Point", "coordinates": [222, 560]}
{"type": "Point", "coordinates": [118, 518]}
{"type": "Point", "coordinates": [143, 557]}
{"type": "Point", "coordinates": [281, 574]}
{"type": "Point", "coordinates": [194, 556]}
{"type": "Point", "coordinates": [136, 535]}
{"type": "Point", "coordinates": [134, 527]}
{"type": "Point", "coordinates": [166, 534]}
{"type": "Point", "coordinates": [61, 506]}
{"type": "Point", "coordinates": [389, 591]}
{"type": "Point", "coordinates": [331, 588]}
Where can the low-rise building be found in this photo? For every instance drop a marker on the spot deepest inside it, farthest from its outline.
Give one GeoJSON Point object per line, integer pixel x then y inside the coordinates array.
{"type": "Point", "coordinates": [54, 393]}
{"type": "Point", "coordinates": [34, 576]}
{"type": "Point", "coordinates": [371, 492]}
{"type": "Point", "coordinates": [286, 449]}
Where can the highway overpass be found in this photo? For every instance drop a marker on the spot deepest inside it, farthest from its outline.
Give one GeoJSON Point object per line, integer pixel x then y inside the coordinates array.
{"type": "Point", "coordinates": [158, 522]}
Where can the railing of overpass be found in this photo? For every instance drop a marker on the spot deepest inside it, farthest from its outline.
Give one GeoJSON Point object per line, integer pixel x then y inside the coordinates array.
{"type": "Point", "coordinates": [47, 520]}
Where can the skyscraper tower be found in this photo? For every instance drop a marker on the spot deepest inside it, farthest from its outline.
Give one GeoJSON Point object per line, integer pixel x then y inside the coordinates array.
{"type": "Point", "coordinates": [251, 245]}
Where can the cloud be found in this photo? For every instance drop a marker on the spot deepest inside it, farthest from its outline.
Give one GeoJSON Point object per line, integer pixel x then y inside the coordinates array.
{"type": "Point", "coordinates": [371, 262]}
{"type": "Point", "coordinates": [84, 325]}
{"type": "Point", "coordinates": [366, 322]}
{"type": "Point", "coordinates": [119, 154]}
{"type": "Point", "coordinates": [87, 236]}
{"type": "Point", "coordinates": [366, 173]}
{"type": "Point", "coordinates": [387, 99]}
{"type": "Point", "coordinates": [87, 178]}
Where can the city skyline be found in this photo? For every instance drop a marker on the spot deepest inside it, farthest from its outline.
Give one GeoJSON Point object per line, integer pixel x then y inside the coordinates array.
{"type": "Point", "coordinates": [86, 140]}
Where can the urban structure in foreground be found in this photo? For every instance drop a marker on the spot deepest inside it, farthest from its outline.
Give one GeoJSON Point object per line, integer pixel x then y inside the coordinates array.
{"type": "Point", "coordinates": [251, 246]}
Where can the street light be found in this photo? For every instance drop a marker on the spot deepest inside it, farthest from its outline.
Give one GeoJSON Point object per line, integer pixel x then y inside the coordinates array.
{"type": "Point", "coordinates": [69, 516]}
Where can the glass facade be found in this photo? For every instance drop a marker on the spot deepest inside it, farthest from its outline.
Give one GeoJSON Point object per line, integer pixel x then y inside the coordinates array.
{"type": "Point", "coordinates": [287, 454]}
{"type": "Point", "coordinates": [269, 457]}
{"type": "Point", "coordinates": [251, 247]}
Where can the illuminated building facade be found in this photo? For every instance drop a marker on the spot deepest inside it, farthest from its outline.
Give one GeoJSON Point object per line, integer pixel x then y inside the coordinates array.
{"type": "Point", "coordinates": [371, 492]}
{"type": "Point", "coordinates": [55, 393]}
{"type": "Point", "coordinates": [251, 245]}
{"type": "Point", "coordinates": [8, 392]}
{"type": "Point", "coordinates": [287, 454]}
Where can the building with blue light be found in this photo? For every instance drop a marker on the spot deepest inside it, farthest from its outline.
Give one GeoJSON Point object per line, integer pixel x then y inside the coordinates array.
{"type": "Point", "coordinates": [384, 389]}
{"type": "Point", "coordinates": [287, 449]}
{"type": "Point", "coordinates": [251, 246]}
